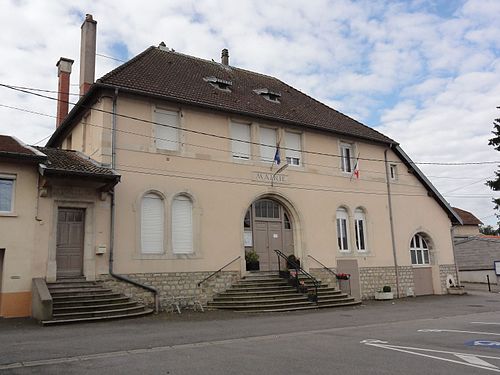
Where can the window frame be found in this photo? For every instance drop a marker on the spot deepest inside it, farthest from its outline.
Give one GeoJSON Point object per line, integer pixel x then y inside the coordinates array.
{"type": "Point", "coordinates": [421, 252]}
{"type": "Point", "coordinates": [235, 141]}
{"type": "Point", "coordinates": [162, 249]}
{"type": "Point", "coordinates": [264, 146]}
{"type": "Point", "coordinates": [393, 172]}
{"type": "Point", "coordinates": [190, 251]}
{"type": "Point", "coordinates": [177, 128]}
{"type": "Point", "coordinates": [342, 223]}
{"type": "Point", "coordinates": [360, 217]}
{"type": "Point", "coordinates": [344, 146]}
{"type": "Point", "coordinates": [12, 178]}
{"type": "Point", "coordinates": [293, 158]}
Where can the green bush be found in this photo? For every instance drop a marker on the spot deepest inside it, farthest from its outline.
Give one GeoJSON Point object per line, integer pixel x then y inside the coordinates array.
{"type": "Point", "coordinates": [251, 256]}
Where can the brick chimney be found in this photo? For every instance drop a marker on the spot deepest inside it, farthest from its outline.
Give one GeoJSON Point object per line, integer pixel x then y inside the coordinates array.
{"type": "Point", "coordinates": [225, 57]}
{"type": "Point", "coordinates": [63, 72]}
{"type": "Point", "coordinates": [87, 53]}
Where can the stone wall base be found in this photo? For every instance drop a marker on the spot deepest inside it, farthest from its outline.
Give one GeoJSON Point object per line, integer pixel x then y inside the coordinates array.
{"type": "Point", "coordinates": [173, 284]}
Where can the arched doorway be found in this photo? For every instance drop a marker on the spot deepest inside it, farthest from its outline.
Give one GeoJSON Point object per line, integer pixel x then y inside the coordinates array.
{"type": "Point", "coordinates": [268, 227]}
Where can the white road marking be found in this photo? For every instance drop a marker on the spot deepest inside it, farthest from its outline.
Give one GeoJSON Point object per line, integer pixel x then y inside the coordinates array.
{"type": "Point", "coordinates": [491, 323]}
{"type": "Point", "coordinates": [471, 360]}
{"type": "Point", "coordinates": [458, 331]}
{"type": "Point", "coordinates": [475, 360]}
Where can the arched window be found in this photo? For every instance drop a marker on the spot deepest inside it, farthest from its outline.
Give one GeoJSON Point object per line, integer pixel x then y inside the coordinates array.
{"type": "Point", "coordinates": [419, 250]}
{"type": "Point", "coordinates": [152, 224]}
{"type": "Point", "coordinates": [360, 228]}
{"type": "Point", "coordinates": [342, 229]}
{"type": "Point", "coordinates": [182, 225]}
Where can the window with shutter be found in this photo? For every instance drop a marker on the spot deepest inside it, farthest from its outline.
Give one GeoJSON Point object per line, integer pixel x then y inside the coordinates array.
{"type": "Point", "coordinates": [346, 157]}
{"type": "Point", "coordinates": [268, 144]}
{"type": "Point", "coordinates": [360, 228]}
{"type": "Point", "coordinates": [342, 230]}
{"type": "Point", "coordinates": [293, 148]}
{"type": "Point", "coordinates": [166, 130]}
{"type": "Point", "coordinates": [239, 133]}
{"type": "Point", "coordinates": [182, 225]}
{"type": "Point", "coordinates": [152, 224]}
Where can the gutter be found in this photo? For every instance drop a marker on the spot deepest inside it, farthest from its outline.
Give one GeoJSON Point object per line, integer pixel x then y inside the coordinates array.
{"type": "Point", "coordinates": [391, 219]}
{"type": "Point", "coordinates": [112, 219]}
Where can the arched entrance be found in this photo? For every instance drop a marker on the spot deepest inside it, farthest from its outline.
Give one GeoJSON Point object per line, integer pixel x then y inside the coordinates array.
{"type": "Point", "coordinates": [268, 227]}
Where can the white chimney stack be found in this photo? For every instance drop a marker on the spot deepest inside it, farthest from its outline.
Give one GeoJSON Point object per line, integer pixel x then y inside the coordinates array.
{"type": "Point", "coordinates": [87, 53]}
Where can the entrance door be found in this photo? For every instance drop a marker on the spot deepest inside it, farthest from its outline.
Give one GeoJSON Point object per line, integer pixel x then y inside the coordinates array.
{"type": "Point", "coordinates": [422, 278]}
{"type": "Point", "coordinates": [268, 237]}
{"type": "Point", "coordinates": [69, 250]}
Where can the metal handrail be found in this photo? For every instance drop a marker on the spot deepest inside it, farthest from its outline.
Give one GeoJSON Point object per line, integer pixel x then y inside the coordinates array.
{"type": "Point", "coordinates": [298, 268]}
{"type": "Point", "coordinates": [219, 270]}
{"type": "Point", "coordinates": [332, 272]}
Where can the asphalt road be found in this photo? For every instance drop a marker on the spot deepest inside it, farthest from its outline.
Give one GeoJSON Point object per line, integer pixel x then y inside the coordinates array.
{"type": "Point", "coordinates": [431, 335]}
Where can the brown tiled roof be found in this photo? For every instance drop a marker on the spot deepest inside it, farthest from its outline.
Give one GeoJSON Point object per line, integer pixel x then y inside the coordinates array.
{"type": "Point", "coordinates": [467, 217]}
{"type": "Point", "coordinates": [12, 148]}
{"type": "Point", "coordinates": [68, 162]}
{"type": "Point", "coordinates": [178, 77]}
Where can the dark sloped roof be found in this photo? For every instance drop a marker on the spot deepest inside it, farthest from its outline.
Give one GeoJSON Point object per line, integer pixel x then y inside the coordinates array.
{"type": "Point", "coordinates": [179, 77]}
{"type": "Point", "coordinates": [467, 217]}
{"type": "Point", "coordinates": [13, 148]}
{"type": "Point", "coordinates": [69, 162]}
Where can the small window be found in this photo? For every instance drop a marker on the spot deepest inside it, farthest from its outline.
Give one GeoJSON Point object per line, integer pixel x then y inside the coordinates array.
{"type": "Point", "coordinates": [342, 230]}
{"type": "Point", "coordinates": [247, 223]}
{"type": "Point", "coordinates": [293, 148]}
{"type": "Point", "coordinates": [360, 228]}
{"type": "Point", "coordinates": [7, 194]}
{"type": "Point", "coordinates": [393, 172]}
{"type": "Point", "coordinates": [240, 144]}
{"type": "Point", "coordinates": [419, 250]}
{"type": "Point", "coordinates": [346, 157]}
{"type": "Point", "coordinates": [221, 84]}
{"type": "Point", "coordinates": [166, 130]}
{"type": "Point", "coordinates": [182, 225]}
{"type": "Point", "coordinates": [267, 144]}
{"type": "Point", "coordinates": [152, 224]}
{"type": "Point", "coordinates": [272, 96]}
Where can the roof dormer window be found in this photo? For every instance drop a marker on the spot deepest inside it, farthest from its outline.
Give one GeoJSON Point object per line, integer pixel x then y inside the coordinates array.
{"type": "Point", "coordinates": [218, 83]}
{"type": "Point", "coordinates": [272, 96]}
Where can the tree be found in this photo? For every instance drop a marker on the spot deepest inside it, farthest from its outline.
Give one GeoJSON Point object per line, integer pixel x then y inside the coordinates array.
{"type": "Point", "coordinates": [488, 230]}
{"type": "Point", "coordinates": [495, 142]}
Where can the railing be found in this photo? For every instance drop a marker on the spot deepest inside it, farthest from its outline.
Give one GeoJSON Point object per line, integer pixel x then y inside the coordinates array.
{"type": "Point", "coordinates": [301, 288]}
{"type": "Point", "coordinates": [218, 271]}
{"type": "Point", "coordinates": [338, 276]}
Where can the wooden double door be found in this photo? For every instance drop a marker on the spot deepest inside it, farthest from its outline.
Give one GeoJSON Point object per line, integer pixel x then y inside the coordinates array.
{"type": "Point", "coordinates": [70, 237]}
{"type": "Point", "coordinates": [272, 230]}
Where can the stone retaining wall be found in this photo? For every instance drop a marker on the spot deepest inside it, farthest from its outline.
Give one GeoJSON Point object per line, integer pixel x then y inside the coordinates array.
{"type": "Point", "coordinates": [373, 279]}
{"type": "Point", "coordinates": [173, 284]}
{"type": "Point", "coordinates": [444, 271]}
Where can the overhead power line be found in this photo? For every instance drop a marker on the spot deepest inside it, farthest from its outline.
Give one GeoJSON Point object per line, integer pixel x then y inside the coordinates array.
{"type": "Point", "coordinates": [238, 140]}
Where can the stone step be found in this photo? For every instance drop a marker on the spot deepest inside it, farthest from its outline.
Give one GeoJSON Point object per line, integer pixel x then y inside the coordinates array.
{"type": "Point", "coordinates": [83, 291]}
{"type": "Point", "coordinates": [256, 300]}
{"type": "Point", "coordinates": [267, 288]}
{"type": "Point", "coordinates": [254, 284]}
{"type": "Point", "coordinates": [339, 304]}
{"type": "Point", "coordinates": [60, 286]}
{"type": "Point", "coordinates": [260, 306]}
{"type": "Point", "coordinates": [284, 309]}
{"type": "Point", "coordinates": [90, 302]}
{"type": "Point", "coordinates": [244, 296]}
{"type": "Point", "coordinates": [78, 297]}
{"type": "Point", "coordinates": [96, 319]}
{"type": "Point", "coordinates": [93, 308]}
{"type": "Point", "coordinates": [104, 312]}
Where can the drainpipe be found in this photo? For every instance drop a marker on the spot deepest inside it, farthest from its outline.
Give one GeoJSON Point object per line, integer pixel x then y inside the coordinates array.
{"type": "Point", "coordinates": [391, 220]}
{"type": "Point", "coordinates": [112, 221]}
{"type": "Point", "coordinates": [452, 233]}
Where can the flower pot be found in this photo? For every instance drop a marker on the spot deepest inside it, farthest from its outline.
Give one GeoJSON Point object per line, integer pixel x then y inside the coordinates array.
{"type": "Point", "coordinates": [384, 296]}
{"type": "Point", "coordinates": [457, 290]}
{"type": "Point", "coordinates": [253, 266]}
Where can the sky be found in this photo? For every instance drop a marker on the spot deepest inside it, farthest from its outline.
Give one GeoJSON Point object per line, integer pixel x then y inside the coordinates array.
{"type": "Point", "coordinates": [425, 73]}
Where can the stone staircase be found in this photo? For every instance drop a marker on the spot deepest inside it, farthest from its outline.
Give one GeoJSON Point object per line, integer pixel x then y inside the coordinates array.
{"type": "Point", "coordinates": [267, 292]}
{"type": "Point", "coordinates": [78, 300]}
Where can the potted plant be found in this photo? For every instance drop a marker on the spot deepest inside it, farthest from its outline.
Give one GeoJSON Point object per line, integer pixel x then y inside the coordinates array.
{"type": "Point", "coordinates": [292, 262]}
{"type": "Point", "coordinates": [384, 294]}
{"type": "Point", "coordinates": [252, 260]}
{"type": "Point", "coordinates": [343, 276]}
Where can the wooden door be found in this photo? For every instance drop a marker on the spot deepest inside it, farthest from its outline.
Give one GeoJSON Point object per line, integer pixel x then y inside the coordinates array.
{"type": "Point", "coordinates": [268, 237]}
{"type": "Point", "coordinates": [69, 250]}
{"type": "Point", "coordinates": [422, 278]}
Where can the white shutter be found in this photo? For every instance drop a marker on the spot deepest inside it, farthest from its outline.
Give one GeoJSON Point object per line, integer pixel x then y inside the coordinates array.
{"type": "Point", "coordinates": [268, 144]}
{"type": "Point", "coordinates": [293, 142]}
{"type": "Point", "coordinates": [182, 225]}
{"type": "Point", "coordinates": [166, 137]}
{"type": "Point", "coordinates": [152, 224]}
{"type": "Point", "coordinates": [241, 150]}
